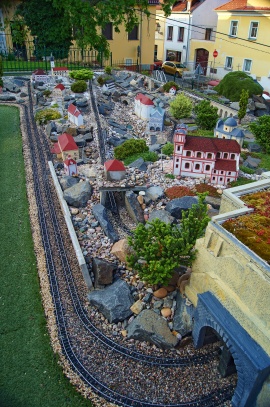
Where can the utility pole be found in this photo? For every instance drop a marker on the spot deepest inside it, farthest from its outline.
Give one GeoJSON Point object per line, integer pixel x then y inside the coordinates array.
{"type": "Point", "coordinates": [188, 36]}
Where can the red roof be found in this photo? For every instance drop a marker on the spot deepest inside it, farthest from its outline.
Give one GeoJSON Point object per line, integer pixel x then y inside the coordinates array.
{"type": "Point", "coordinates": [63, 68]}
{"type": "Point", "coordinates": [56, 149]}
{"type": "Point", "coordinates": [66, 142]}
{"type": "Point", "coordinates": [72, 109]}
{"type": "Point", "coordinates": [209, 144]}
{"type": "Point", "coordinates": [225, 165]}
{"type": "Point", "coordinates": [182, 6]}
{"type": "Point", "coordinates": [60, 86]}
{"type": "Point", "coordinates": [240, 5]}
{"type": "Point", "coordinates": [39, 72]}
{"type": "Point", "coordinates": [114, 165]}
{"type": "Point", "coordinates": [145, 100]}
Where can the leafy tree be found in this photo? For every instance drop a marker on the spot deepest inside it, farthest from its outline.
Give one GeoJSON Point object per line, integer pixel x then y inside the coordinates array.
{"type": "Point", "coordinates": [243, 102]}
{"type": "Point", "coordinates": [158, 248]}
{"type": "Point", "coordinates": [82, 74]}
{"type": "Point", "coordinates": [168, 148]}
{"type": "Point", "coordinates": [55, 22]}
{"type": "Point", "coordinates": [232, 84]}
{"type": "Point", "coordinates": [43, 116]}
{"type": "Point", "coordinates": [206, 115]}
{"type": "Point", "coordinates": [130, 147]}
{"type": "Point", "coordinates": [181, 106]}
{"type": "Point", "coordinates": [261, 131]}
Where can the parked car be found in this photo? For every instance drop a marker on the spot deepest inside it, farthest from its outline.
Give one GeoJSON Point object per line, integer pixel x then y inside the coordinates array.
{"type": "Point", "coordinates": [157, 64]}
{"type": "Point", "coordinates": [173, 68]}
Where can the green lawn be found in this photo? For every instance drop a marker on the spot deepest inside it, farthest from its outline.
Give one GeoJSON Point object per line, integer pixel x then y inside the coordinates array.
{"type": "Point", "coordinates": [29, 373]}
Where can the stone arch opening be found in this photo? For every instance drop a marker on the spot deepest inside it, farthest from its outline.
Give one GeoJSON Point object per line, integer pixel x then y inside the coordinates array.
{"type": "Point", "coordinates": [225, 114]}
{"type": "Point", "coordinates": [220, 112]}
{"type": "Point", "coordinates": [252, 370]}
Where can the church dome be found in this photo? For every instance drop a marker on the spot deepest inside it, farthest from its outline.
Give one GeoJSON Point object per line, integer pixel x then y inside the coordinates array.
{"type": "Point", "coordinates": [230, 122]}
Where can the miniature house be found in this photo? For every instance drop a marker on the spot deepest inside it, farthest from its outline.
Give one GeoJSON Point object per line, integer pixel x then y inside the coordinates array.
{"type": "Point", "coordinates": [63, 71]}
{"type": "Point", "coordinates": [74, 115]}
{"type": "Point", "coordinates": [40, 76]}
{"type": "Point", "coordinates": [114, 170]}
{"type": "Point", "coordinates": [172, 90]}
{"type": "Point", "coordinates": [59, 90]}
{"type": "Point", "coordinates": [143, 106]}
{"type": "Point", "coordinates": [228, 130]}
{"type": "Point", "coordinates": [214, 159]}
{"type": "Point", "coordinates": [156, 119]}
{"type": "Point", "coordinates": [66, 147]}
{"type": "Point", "coordinates": [70, 166]}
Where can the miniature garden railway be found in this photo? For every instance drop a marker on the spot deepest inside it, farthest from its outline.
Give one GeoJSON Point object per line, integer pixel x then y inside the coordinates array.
{"type": "Point", "coordinates": [85, 347]}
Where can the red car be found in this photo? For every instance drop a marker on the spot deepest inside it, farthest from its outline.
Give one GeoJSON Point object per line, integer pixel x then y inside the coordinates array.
{"type": "Point", "coordinates": [157, 64]}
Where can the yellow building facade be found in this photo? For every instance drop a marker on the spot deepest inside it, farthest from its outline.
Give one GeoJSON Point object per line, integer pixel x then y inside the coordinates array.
{"type": "Point", "coordinates": [241, 41]}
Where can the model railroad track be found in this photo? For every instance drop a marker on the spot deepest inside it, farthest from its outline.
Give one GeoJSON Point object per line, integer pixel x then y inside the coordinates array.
{"type": "Point", "coordinates": [63, 284]}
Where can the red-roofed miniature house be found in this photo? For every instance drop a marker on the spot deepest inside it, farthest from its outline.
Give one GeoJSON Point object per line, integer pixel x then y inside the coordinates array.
{"type": "Point", "coordinates": [204, 157]}
{"type": "Point", "coordinates": [70, 166]}
{"type": "Point", "coordinates": [74, 115]}
{"type": "Point", "coordinates": [114, 170]}
{"type": "Point", "coordinates": [40, 76]}
{"type": "Point", "coordinates": [66, 147]}
{"type": "Point", "coordinates": [58, 90]}
{"type": "Point", "coordinates": [63, 71]}
{"type": "Point", "coordinates": [143, 106]}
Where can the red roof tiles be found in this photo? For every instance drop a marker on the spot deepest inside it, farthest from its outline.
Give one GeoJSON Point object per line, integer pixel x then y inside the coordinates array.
{"type": "Point", "coordinates": [225, 165]}
{"type": "Point", "coordinates": [114, 165]}
{"type": "Point", "coordinates": [235, 5]}
{"type": "Point", "coordinates": [66, 142]}
{"type": "Point", "coordinates": [209, 144]}
{"type": "Point", "coordinates": [144, 99]}
{"type": "Point", "coordinates": [72, 109]}
{"type": "Point", "coordinates": [60, 86]}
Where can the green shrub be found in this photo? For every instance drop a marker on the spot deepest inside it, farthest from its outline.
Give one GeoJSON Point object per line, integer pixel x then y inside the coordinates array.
{"type": "Point", "coordinates": [43, 116]}
{"type": "Point", "coordinates": [147, 156]}
{"type": "Point", "coordinates": [102, 79]}
{"type": "Point", "coordinates": [261, 131]}
{"type": "Point", "coordinates": [240, 181]}
{"type": "Point", "coordinates": [181, 106]}
{"type": "Point", "coordinates": [245, 144]}
{"type": "Point", "coordinates": [233, 83]}
{"type": "Point", "coordinates": [247, 170]}
{"type": "Point", "coordinates": [108, 70]}
{"type": "Point", "coordinates": [206, 115]}
{"type": "Point", "coordinates": [82, 74]}
{"type": "Point", "coordinates": [168, 85]}
{"type": "Point", "coordinates": [170, 176]}
{"type": "Point", "coordinates": [47, 92]}
{"type": "Point", "coordinates": [130, 147]}
{"type": "Point", "coordinates": [168, 148]}
{"type": "Point", "coordinates": [79, 86]}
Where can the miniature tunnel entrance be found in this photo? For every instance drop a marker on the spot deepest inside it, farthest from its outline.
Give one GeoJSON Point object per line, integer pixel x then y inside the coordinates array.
{"type": "Point", "coordinates": [212, 320]}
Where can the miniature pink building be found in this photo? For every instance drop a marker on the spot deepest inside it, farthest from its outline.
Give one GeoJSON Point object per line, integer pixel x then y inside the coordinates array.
{"type": "Point", "coordinates": [114, 170]}
{"type": "Point", "coordinates": [204, 157]}
{"type": "Point", "coordinates": [143, 106]}
{"type": "Point", "coordinates": [63, 71]}
{"type": "Point", "coordinates": [74, 115]}
{"type": "Point", "coordinates": [40, 76]}
{"type": "Point", "coordinates": [66, 147]}
{"type": "Point", "coordinates": [70, 166]}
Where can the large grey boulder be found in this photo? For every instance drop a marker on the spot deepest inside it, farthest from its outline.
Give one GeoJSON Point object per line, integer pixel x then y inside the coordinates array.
{"type": "Point", "coordinates": [137, 163]}
{"type": "Point", "coordinates": [100, 213]}
{"type": "Point", "coordinates": [11, 86]}
{"type": "Point", "coordinates": [78, 194]}
{"type": "Point", "coordinates": [176, 206]}
{"type": "Point", "coordinates": [114, 301]}
{"type": "Point", "coordinates": [67, 182]}
{"type": "Point", "coordinates": [103, 272]}
{"type": "Point", "coordinates": [183, 315]}
{"type": "Point", "coordinates": [150, 327]}
{"type": "Point", "coordinates": [7, 98]}
{"type": "Point", "coordinates": [252, 162]}
{"type": "Point", "coordinates": [162, 215]}
{"type": "Point", "coordinates": [80, 141]}
{"type": "Point", "coordinates": [153, 194]}
{"type": "Point", "coordinates": [82, 102]}
{"type": "Point", "coordinates": [133, 207]}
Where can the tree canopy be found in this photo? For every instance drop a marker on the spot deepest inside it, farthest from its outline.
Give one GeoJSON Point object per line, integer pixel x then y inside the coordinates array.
{"type": "Point", "coordinates": [82, 20]}
{"type": "Point", "coordinates": [233, 83]}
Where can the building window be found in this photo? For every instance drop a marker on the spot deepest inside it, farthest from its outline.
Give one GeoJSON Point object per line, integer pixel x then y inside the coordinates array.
{"type": "Point", "coordinates": [218, 155]}
{"type": "Point", "coordinates": [225, 155]}
{"type": "Point", "coordinates": [107, 31]}
{"type": "Point", "coordinates": [221, 179]}
{"type": "Point", "coordinates": [233, 28]}
{"type": "Point", "coordinates": [181, 34]}
{"type": "Point", "coordinates": [177, 165]}
{"type": "Point", "coordinates": [214, 178]}
{"type": "Point", "coordinates": [134, 34]}
{"type": "Point", "coordinates": [199, 155]}
{"type": "Point", "coordinates": [128, 61]}
{"type": "Point", "coordinates": [221, 172]}
{"type": "Point", "coordinates": [178, 148]}
{"type": "Point", "coordinates": [177, 160]}
{"type": "Point", "coordinates": [247, 65]}
{"type": "Point", "coordinates": [209, 155]}
{"type": "Point", "coordinates": [170, 33]}
{"type": "Point", "coordinates": [214, 171]}
{"type": "Point", "coordinates": [229, 173]}
{"type": "Point", "coordinates": [188, 153]}
{"type": "Point", "coordinates": [228, 63]}
{"type": "Point", "coordinates": [208, 33]}
{"type": "Point", "coordinates": [207, 168]}
{"type": "Point", "coordinates": [156, 51]}
{"type": "Point", "coordinates": [253, 30]}
{"type": "Point", "coordinates": [197, 166]}
{"type": "Point", "coordinates": [186, 165]}
{"type": "Point", "coordinates": [233, 156]}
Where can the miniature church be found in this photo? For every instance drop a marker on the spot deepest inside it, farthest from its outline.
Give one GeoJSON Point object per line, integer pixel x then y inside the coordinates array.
{"type": "Point", "coordinates": [229, 129]}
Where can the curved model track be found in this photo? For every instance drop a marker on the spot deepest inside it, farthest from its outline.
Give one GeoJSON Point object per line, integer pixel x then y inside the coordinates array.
{"type": "Point", "coordinates": [89, 352]}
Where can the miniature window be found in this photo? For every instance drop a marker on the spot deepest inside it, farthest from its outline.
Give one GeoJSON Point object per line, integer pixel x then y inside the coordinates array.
{"type": "Point", "coordinates": [253, 30]}
{"type": "Point", "coordinates": [229, 173]}
{"type": "Point", "coordinates": [177, 160]}
{"type": "Point", "coordinates": [181, 31]}
{"type": "Point", "coordinates": [197, 166]}
{"type": "Point", "coordinates": [207, 168]}
{"type": "Point", "coordinates": [209, 155]}
{"type": "Point", "coordinates": [170, 33]}
{"type": "Point", "coordinates": [178, 148]}
{"type": "Point", "coordinates": [247, 65]}
{"type": "Point", "coordinates": [233, 156]}
{"type": "Point", "coordinates": [225, 155]}
{"type": "Point", "coordinates": [233, 28]}
{"type": "Point", "coordinates": [229, 63]}
{"type": "Point", "coordinates": [214, 171]}
{"type": "Point", "coordinates": [221, 172]}
{"type": "Point", "coordinates": [199, 155]}
{"type": "Point", "coordinates": [186, 165]}
{"type": "Point", "coordinates": [176, 165]}
{"type": "Point", "coordinates": [214, 178]}
{"type": "Point", "coordinates": [188, 153]}
{"type": "Point", "coordinates": [107, 31]}
{"type": "Point", "coordinates": [134, 34]}
{"type": "Point", "coordinates": [221, 178]}
{"type": "Point", "coordinates": [208, 33]}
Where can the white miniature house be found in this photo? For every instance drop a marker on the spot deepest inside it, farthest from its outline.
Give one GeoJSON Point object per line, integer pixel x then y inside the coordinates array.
{"type": "Point", "coordinates": [74, 115]}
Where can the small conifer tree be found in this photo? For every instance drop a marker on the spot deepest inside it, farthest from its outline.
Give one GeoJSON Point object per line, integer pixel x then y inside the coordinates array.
{"type": "Point", "coordinates": [243, 102]}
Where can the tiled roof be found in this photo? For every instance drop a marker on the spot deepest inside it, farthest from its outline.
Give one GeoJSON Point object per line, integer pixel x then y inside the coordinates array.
{"type": "Point", "coordinates": [72, 109]}
{"type": "Point", "coordinates": [63, 68]}
{"type": "Point", "coordinates": [209, 144]}
{"type": "Point", "coordinates": [39, 72]}
{"type": "Point", "coordinates": [144, 99]}
{"type": "Point", "coordinates": [66, 142]}
{"type": "Point", "coordinates": [114, 165]}
{"type": "Point", "coordinates": [60, 86]}
{"type": "Point", "coordinates": [225, 165]}
{"type": "Point", "coordinates": [235, 5]}
{"type": "Point", "coordinates": [182, 6]}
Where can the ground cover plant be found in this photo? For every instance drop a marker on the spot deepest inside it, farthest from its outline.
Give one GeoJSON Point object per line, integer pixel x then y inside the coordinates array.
{"type": "Point", "coordinates": [253, 229]}
{"type": "Point", "coordinates": [129, 148]}
{"type": "Point", "coordinates": [149, 156]}
{"type": "Point", "coordinates": [179, 191]}
{"type": "Point", "coordinates": [43, 116]}
{"type": "Point", "coordinates": [29, 374]}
